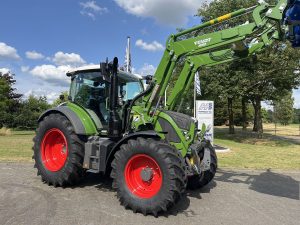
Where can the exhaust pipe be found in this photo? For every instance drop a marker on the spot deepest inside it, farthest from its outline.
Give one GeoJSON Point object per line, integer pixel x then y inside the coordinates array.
{"type": "Point", "coordinates": [114, 123]}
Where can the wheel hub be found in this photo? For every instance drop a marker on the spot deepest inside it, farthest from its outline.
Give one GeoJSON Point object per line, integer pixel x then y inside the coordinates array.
{"type": "Point", "coordinates": [146, 174]}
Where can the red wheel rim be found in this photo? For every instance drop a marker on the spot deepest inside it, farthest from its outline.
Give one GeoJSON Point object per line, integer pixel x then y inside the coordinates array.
{"type": "Point", "coordinates": [148, 185]}
{"type": "Point", "coordinates": [54, 149]}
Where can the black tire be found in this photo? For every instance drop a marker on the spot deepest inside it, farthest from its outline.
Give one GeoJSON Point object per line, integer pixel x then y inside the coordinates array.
{"type": "Point", "coordinates": [72, 170]}
{"type": "Point", "coordinates": [200, 181]}
{"type": "Point", "coordinates": [171, 165]}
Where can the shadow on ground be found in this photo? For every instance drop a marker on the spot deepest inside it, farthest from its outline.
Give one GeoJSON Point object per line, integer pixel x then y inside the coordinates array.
{"type": "Point", "coordinates": [267, 182]}
{"type": "Point", "coordinates": [104, 184]}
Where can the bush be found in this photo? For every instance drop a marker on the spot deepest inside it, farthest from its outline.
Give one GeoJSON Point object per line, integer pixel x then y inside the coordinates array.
{"type": "Point", "coordinates": [5, 131]}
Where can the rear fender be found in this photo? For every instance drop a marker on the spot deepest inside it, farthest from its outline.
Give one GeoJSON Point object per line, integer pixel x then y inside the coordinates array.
{"type": "Point", "coordinates": [82, 124]}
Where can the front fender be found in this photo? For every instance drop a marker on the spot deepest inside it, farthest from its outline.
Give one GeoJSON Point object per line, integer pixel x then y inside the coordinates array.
{"type": "Point", "coordinates": [144, 134]}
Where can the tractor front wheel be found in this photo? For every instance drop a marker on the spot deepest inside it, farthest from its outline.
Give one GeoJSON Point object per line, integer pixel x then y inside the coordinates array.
{"type": "Point", "coordinates": [149, 175]}
{"type": "Point", "coordinates": [58, 151]}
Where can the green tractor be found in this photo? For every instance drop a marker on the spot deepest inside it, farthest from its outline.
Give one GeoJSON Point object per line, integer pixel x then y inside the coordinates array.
{"type": "Point", "coordinates": [112, 125]}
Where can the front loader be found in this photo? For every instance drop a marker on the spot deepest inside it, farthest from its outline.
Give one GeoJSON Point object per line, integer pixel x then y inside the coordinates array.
{"type": "Point", "coordinates": [110, 124]}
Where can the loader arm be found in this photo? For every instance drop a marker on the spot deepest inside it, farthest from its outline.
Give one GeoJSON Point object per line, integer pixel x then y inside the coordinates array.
{"type": "Point", "coordinates": [215, 48]}
{"type": "Point", "coordinates": [268, 24]}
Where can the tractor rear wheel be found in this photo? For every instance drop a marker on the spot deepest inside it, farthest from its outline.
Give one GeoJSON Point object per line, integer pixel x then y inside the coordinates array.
{"type": "Point", "coordinates": [199, 181]}
{"type": "Point", "coordinates": [58, 151]}
{"type": "Point", "coordinates": [148, 175]}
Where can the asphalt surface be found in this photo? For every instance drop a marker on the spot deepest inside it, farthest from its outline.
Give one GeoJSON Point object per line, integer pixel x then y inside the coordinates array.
{"type": "Point", "coordinates": [234, 197]}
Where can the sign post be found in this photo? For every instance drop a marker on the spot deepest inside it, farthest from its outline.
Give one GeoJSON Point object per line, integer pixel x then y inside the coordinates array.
{"type": "Point", "coordinates": [205, 115]}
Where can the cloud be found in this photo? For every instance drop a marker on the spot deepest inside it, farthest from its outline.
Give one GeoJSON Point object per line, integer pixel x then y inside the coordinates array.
{"type": "Point", "coordinates": [72, 59]}
{"type": "Point", "coordinates": [24, 69]}
{"type": "Point", "coordinates": [34, 55]}
{"type": "Point", "coordinates": [52, 74]}
{"type": "Point", "coordinates": [169, 12]}
{"type": "Point", "coordinates": [56, 74]}
{"type": "Point", "coordinates": [4, 70]}
{"type": "Point", "coordinates": [153, 47]}
{"type": "Point", "coordinates": [50, 95]}
{"type": "Point", "coordinates": [90, 9]}
{"type": "Point", "coordinates": [147, 69]}
{"type": "Point", "coordinates": [8, 52]}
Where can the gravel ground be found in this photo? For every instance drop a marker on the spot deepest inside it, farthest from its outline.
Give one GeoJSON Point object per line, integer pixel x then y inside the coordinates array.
{"type": "Point", "coordinates": [234, 197]}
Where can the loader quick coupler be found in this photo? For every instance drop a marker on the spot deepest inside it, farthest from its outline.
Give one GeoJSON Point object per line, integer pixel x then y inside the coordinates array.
{"type": "Point", "coordinates": [195, 164]}
{"type": "Point", "coordinates": [194, 161]}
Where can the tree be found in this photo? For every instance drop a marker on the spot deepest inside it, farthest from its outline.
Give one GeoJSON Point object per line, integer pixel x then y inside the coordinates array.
{"type": "Point", "coordinates": [268, 75]}
{"type": "Point", "coordinates": [284, 111]}
{"type": "Point", "coordinates": [9, 100]}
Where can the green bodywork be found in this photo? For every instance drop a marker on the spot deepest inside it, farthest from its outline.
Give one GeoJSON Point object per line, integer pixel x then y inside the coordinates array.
{"type": "Point", "coordinates": [205, 51]}
{"type": "Point", "coordinates": [186, 136]}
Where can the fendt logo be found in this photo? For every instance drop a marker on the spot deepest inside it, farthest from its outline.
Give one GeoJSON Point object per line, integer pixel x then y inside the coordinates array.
{"type": "Point", "coordinates": [202, 43]}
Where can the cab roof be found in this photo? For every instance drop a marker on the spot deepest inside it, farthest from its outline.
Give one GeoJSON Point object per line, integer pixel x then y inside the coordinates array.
{"type": "Point", "coordinates": [97, 68]}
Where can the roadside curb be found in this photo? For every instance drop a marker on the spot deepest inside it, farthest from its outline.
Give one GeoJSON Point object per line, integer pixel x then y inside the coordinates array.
{"type": "Point", "coordinates": [220, 149]}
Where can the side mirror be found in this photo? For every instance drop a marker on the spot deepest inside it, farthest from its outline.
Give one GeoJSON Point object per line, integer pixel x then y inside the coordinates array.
{"type": "Point", "coordinates": [149, 79]}
{"type": "Point", "coordinates": [123, 93]}
{"type": "Point", "coordinates": [62, 98]}
{"type": "Point", "coordinates": [104, 68]}
{"type": "Point", "coordinates": [105, 71]}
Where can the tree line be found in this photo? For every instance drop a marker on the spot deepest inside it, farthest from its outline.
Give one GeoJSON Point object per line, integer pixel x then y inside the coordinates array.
{"type": "Point", "coordinates": [17, 112]}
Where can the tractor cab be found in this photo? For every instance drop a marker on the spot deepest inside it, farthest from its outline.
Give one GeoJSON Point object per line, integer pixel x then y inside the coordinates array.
{"type": "Point", "coordinates": [90, 90]}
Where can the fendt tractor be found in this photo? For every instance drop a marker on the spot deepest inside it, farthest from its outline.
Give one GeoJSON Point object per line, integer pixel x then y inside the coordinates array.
{"type": "Point", "coordinates": [110, 124]}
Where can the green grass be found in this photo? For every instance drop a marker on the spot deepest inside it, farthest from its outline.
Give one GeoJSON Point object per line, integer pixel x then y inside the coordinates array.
{"type": "Point", "coordinates": [290, 130]}
{"type": "Point", "coordinates": [248, 152]}
{"type": "Point", "coordinates": [16, 147]}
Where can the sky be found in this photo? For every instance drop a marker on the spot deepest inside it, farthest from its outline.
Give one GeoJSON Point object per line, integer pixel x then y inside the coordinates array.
{"type": "Point", "coordinates": [41, 40]}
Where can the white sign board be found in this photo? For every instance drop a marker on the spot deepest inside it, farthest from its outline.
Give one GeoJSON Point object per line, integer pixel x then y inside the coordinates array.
{"type": "Point", "coordinates": [205, 115]}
